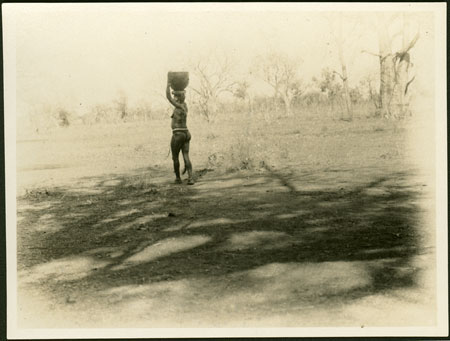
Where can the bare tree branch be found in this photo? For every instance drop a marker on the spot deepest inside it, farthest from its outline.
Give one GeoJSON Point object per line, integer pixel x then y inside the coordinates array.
{"type": "Point", "coordinates": [412, 42]}
{"type": "Point", "coordinates": [198, 92]}
{"type": "Point", "coordinates": [407, 84]}
{"type": "Point", "coordinates": [214, 78]}
{"type": "Point", "coordinates": [279, 72]}
{"type": "Point", "coordinates": [372, 53]}
{"type": "Point", "coordinates": [377, 55]}
{"type": "Point", "coordinates": [342, 77]}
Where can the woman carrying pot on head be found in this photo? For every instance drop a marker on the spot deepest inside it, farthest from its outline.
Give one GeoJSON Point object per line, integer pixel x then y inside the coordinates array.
{"type": "Point", "coordinates": [180, 133]}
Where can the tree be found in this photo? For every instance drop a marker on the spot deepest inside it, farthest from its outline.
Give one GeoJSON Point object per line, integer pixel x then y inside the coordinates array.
{"type": "Point", "coordinates": [241, 90]}
{"type": "Point", "coordinates": [122, 105]}
{"type": "Point", "coordinates": [402, 66]}
{"type": "Point", "coordinates": [329, 86]}
{"type": "Point", "coordinates": [281, 73]}
{"type": "Point", "coordinates": [214, 79]}
{"type": "Point", "coordinates": [394, 66]}
{"type": "Point", "coordinates": [242, 93]}
{"type": "Point", "coordinates": [344, 43]}
{"type": "Point", "coordinates": [343, 75]}
{"type": "Point", "coordinates": [373, 95]}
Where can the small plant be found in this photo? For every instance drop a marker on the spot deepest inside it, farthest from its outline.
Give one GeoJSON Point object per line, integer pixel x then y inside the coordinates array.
{"type": "Point", "coordinates": [63, 118]}
{"type": "Point", "coordinates": [245, 153]}
{"type": "Point", "coordinates": [215, 160]}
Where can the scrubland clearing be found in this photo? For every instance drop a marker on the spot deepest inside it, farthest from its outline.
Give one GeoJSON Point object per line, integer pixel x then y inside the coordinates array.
{"type": "Point", "coordinates": [296, 222]}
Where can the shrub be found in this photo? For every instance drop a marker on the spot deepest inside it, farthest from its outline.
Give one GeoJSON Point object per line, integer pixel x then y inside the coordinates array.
{"type": "Point", "coordinates": [64, 118]}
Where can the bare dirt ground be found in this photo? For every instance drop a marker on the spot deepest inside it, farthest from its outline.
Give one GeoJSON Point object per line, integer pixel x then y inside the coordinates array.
{"type": "Point", "coordinates": [330, 226]}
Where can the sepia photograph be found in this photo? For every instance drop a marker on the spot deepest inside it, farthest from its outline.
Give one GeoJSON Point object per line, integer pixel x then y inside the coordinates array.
{"type": "Point", "coordinates": [225, 169]}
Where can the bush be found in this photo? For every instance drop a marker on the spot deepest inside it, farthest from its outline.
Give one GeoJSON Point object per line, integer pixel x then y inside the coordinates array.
{"type": "Point", "coordinates": [241, 155]}
{"type": "Point", "coordinates": [245, 152]}
{"type": "Point", "coordinates": [64, 118]}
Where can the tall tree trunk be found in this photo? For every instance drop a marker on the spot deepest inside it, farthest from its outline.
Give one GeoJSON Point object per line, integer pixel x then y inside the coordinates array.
{"type": "Point", "coordinates": [387, 74]}
{"type": "Point", "coordinates": [275, 100]}
{"type": "Point", "coordinates": [399, 102]}
{"type": "Point", "coordinates": [287, 104]}
{"type": "Point", "coordinates": [402, 64]}
{"type": "Point", "coordinates": [348, 104]}
{"type": "Point", "coordinates": [394, 71]}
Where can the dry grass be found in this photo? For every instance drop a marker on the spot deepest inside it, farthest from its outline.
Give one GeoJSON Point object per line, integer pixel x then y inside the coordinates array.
{"type": "Point", "coordinates": [231, 143]}
{"type": "Point", "coordinates": [296, 213]}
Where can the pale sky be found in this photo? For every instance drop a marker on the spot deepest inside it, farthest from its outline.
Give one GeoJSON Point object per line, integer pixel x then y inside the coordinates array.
{"type": "Point", "coordinates": [86, 53]}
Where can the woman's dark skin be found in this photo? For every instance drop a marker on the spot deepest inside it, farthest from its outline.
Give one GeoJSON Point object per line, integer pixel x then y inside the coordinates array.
{"type": "Point", "coordinates": [180, 134]}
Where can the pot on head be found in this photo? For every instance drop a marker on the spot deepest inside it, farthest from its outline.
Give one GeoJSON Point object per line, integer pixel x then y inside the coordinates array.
{"type": "Point", "coordinates": [178, 80]}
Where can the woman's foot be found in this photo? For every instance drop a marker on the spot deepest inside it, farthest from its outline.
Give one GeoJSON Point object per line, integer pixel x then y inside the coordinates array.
{"type": "Point", "coordinates": [178, 181]}
{"type": "Point", "coordinates": [190, 182]}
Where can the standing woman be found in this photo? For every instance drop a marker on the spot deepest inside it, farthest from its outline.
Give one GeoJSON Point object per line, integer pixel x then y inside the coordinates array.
{"type": "Point", "coordinates": [180, 133]}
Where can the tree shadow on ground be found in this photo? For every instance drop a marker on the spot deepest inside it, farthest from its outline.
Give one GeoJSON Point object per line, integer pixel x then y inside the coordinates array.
{"type": "Point", "coordinates": [237, 232]}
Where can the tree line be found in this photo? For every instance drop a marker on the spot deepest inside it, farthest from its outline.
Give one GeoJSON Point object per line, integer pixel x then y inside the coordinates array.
{"type": "Point", "coordinates": [215, 88]}
{"type": "Point", "coordinates": [388, 90]}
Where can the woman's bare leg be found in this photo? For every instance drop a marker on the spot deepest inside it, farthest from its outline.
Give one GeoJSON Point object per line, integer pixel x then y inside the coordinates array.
{"type": "Point", "coordinates": [187, 162]}
{"type": "Point", "coordinates": [175, 146]}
